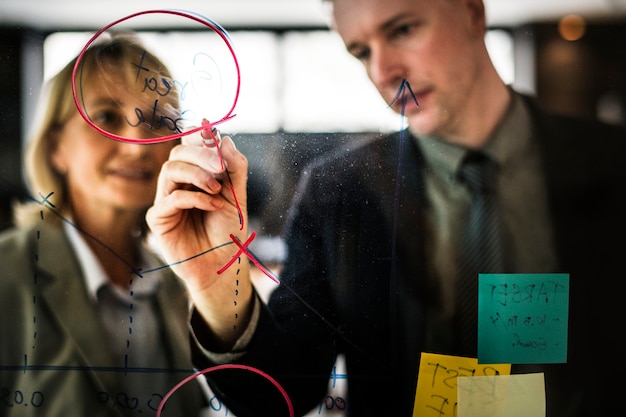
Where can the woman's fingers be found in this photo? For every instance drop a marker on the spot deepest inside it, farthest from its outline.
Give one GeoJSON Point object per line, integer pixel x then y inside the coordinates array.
{"type": "Point", "coordinates": [191, 165]}
{"type": "Point", "coordinates": [177, 174]}
{"type": "Point", "coordinates": [202, 170]}
{"type": "Point", "coordinates": [208, 137]}
{"type": "Point", "coordinates": [206, 158]}
{"type": "Point", "coordinates": [235, 162]}
{"type": "Point", "coordinates": [179, 200]}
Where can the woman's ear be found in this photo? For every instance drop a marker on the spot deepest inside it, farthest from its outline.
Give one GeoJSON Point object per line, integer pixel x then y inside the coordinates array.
{"type": "Point", "coordinates": [57, 155]}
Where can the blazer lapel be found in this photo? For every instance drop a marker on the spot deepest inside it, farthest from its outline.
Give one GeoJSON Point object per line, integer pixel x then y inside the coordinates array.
{"type": "Point", "coordinates": [173, 305]}
{"type": "Point", "coordinates": [65, 295]}
{"type": "Point", "coordinates": [173, 308]}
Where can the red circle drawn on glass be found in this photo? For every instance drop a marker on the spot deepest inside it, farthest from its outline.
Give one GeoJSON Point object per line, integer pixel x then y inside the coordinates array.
{"type": "Point", "coordinates": [202, 20]}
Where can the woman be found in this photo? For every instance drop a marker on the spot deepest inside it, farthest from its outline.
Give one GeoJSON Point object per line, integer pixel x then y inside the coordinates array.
{"type": "Point", "coordinates": [91, 323]}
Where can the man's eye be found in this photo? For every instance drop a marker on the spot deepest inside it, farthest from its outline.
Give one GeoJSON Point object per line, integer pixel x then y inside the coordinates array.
{"type": "Point", "coordinates": [402, 30]}
{"type": "Point", "coordinates": [362, 54]}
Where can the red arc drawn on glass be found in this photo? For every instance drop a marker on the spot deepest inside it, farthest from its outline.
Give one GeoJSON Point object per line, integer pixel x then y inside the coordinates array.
{"type": "Point", "coordinates": [227, 366]}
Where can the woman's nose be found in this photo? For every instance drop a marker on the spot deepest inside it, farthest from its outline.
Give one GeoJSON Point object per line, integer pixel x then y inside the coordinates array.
{"type": "Point", "coordinates": [141, 131]}
{"type": "Point", "coordinates": [133, 150]}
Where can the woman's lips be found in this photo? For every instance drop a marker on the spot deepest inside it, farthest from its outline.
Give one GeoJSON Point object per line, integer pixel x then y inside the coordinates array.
{"type": "Point", "coordinates": [132, 173]}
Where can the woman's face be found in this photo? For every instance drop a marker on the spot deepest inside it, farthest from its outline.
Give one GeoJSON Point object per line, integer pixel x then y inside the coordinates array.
{"type": "Point", "coordinates": [103, 173]}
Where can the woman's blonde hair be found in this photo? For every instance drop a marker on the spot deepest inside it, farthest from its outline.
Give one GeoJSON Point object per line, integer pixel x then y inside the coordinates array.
{"type": "Point", "coordinates": [56, 106]}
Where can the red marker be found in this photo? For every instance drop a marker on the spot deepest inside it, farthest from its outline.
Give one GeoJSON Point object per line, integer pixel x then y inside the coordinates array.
{"type": "Point", "coordinates": [211, 137]}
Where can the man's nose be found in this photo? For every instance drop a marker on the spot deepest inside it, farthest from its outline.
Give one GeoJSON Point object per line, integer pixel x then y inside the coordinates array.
{"type": "Point", "coordinates": [385, 67]}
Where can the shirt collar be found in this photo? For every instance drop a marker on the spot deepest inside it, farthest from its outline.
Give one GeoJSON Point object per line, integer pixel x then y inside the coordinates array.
{"type": "Point", "coordinates": [508, 140]}
{"type": "Point", "coordinates": [94, 275]}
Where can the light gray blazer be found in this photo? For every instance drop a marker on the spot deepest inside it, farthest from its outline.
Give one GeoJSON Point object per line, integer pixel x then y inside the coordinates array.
{"type": "Point", "coordinates": [54, 356]}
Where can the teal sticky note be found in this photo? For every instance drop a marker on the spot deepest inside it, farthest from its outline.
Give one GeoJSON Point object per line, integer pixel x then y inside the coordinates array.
{"type": "Point", "coordinates": [523, 318]}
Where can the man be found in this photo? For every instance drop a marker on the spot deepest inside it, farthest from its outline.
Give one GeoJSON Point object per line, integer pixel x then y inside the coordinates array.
{"type": "Point", "coordinates": [374, 233]}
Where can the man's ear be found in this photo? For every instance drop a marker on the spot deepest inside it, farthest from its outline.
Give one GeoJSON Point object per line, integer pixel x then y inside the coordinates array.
{"type": "Point", "coordinates": [476, 13]}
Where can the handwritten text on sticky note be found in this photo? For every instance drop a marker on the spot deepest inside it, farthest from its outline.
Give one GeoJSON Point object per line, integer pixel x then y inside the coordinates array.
{"type": "Point", "coordinates": [436, 393]}
{"type": "Point", "coordinates": [522, 318]}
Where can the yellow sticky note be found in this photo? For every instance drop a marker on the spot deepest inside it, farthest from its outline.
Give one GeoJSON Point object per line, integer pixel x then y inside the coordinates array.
{"type": "Point", "coordinates": [436, 393]}
{"type": "Point", "coordinates": [502, 396]}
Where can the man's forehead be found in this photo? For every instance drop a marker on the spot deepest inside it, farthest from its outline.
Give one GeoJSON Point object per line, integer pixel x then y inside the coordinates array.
{"type": "Point", "coordinates": [357, 19]}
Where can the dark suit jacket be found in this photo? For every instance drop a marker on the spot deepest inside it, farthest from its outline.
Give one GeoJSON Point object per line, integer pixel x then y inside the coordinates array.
{"type": "Point", "coordinates": [354, 280]}
{"type": "Point", "coordinates": [54, 354]}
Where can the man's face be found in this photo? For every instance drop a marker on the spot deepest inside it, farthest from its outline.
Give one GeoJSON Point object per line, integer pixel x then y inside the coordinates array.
{"type": "Point", "coordinates": [434, 45]}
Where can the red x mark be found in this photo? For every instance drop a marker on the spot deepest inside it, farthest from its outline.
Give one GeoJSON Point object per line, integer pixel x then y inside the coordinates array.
{"type": "Point", "coordinates": [243, 249]}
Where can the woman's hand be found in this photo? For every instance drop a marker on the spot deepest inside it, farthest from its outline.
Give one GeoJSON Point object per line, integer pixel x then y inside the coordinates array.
{"type": "Point", "coordinates": [200, 201]}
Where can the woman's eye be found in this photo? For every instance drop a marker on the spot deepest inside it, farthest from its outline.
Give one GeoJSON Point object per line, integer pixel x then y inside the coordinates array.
{"type": "Point", "coordinates": [106, 118]}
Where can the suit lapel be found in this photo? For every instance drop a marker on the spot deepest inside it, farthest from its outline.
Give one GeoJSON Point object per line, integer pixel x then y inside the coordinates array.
{"type": "Point", "coordinates": [65, 295]}
{"type": "Point", "coordinates": [173, 309]}
{"type": "Point", "coordinates": [173, 304]}
{"type": "Point", "coordinates": [405, 205]}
